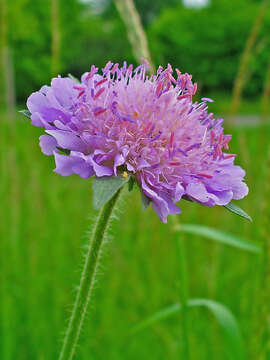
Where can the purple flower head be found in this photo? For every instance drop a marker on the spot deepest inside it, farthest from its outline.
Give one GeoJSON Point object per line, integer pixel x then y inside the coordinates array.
{"type": "Point", "coordinates": [147, 125]}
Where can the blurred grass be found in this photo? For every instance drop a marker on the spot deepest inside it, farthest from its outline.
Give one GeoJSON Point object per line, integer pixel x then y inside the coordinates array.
{"type": "Point", "coordinates": [222, 104]}
{"type": "Point", "coordinates": [43, 224]}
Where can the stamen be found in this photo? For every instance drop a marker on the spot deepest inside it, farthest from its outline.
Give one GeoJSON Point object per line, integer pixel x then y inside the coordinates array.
{"type": "Point", "coordinates": [194, 146]}
{"type": "Point", "coordinates": [220, 139]}
{"type": "Point", "coordinates": [212, 137]}
{"type": "Point", "coordinates": [100, 91]}
{"type": "Point", "coordinates": [77, 87]}
{"type": "Point", "coordinates": [205, 175]}
{"type": "Point", "coordinates": [182, 152]}
{"type": "Point", "coordinates": [124, 67]}
{"type": "Point", "coordinates": [226, 139]}
{"type": "Point", "coordinates": [80, 94]}
{"type": "Point", "coordinates": [171, 139]}
{"type": "Point", "coordinates": [178, 72]}
{"type": "Point", "coordinates": [91, 73]}
{"type": "Point", "coordinates": [229, 156]}
{"type": "Point", "coordinates": [129, 70]}
{"type": "Point", "coordinates": [195, 86]}
{"type": "Point", "coordinates": [127, 118]}
{"type": "Point", "coordinates": [159, 88]}
{"type": "Point", "coordinates": [159, 70]}
{"type": "Point", "coordinates": [157, 136]}
{"type": "Point", "coordinates": [115, 68]}
{"type": "Point", "coordinates": [147, 127]}
{"type": "Point", "coordinates": [151, 131]}
{"type": "Point", "coordinates": [100, 82]}
{"type": "Point", "coordinates": [99, 110]}
{"type": "Point", "coordinates": [207, 99]}
{"type": "Point", "coordinates": [183, 97]}
{"type": "Point", "coordinates": [107, 67]}
{"type": "Point", "coordinates": [155, 166]}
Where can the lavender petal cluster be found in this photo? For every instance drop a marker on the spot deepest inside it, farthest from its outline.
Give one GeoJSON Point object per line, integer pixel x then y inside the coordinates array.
{"type": "Point", "coordinates": [123, 118]}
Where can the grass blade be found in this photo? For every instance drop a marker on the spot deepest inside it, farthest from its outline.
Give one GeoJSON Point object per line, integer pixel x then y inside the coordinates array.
{"type": "Point", "coordinates": [228, 324]}
{"type": "Point", "coordinates": [218, 236]}
{"type": "Point", "coordinates": [160, 315]}
{"type": "Point", "coordinates": [223, 315]}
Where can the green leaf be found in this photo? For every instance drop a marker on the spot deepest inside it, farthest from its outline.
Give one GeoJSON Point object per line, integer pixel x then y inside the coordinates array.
{"type": "Point", "coordinates": [228, 324]}
{"type": "Point", "coordinates": [237, 210]}
{"type": "Point", "coordinates": [63, 151]}
{"type": "Point", "coordinates": [223, 315]}
{"type": "Point", "coordinates": [26, 113]}
{"type": "Point", "coordinates": [145, 201]}
{"type": "Point", "coordinates": [131, 183]}
{"type": "Point", "coordinates": [105, 187]}
{"type": "Point", "coordinates": [185, 197]}
{"type": "Point", "coordinates": [73, 78]}
{"type": "Point", "coordinates": [218, 236]}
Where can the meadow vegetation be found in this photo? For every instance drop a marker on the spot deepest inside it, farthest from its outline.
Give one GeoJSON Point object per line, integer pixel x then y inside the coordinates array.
{"type": "Point", "coordinates": [44, 217]}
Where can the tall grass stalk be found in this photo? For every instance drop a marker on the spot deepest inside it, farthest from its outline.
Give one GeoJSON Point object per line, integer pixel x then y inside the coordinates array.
{"type": "Point", "coordinates": [243, 75]}
{"type": "Point", "coordinates": [136, 34]}
{"type": "Point", "coordinates": [3, 40]}
{"type": "Point", "coordinates": [7, 86]}
{"type": "Point", "coordinates": [55, 33]}
{"type": "Point", "coordinates": [262, 327]}
{"type": "Point", "coordinates": [266, 96]}
{"type": "Point", "coordinates": [265, 110]}
{"type": "Point", "coordinates": [240, 79]}
{"type": "Point", "coordinates": [87, 281]}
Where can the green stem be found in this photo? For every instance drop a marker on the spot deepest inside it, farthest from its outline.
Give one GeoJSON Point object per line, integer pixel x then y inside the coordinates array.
{"type": "Point", "coordinates": [183, 289]}
{"type": "Point", "coordinates": [87, 279]}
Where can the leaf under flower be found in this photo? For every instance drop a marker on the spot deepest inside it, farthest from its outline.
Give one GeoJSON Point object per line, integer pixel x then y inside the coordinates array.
{"type": "Point", "coordinates": [26, 113]}
{"type": "Point", "coordinates": [73, 78]}
{"type": "Point", "coordinates": [238, 211]}
{"type": "Point", "coordinates": [105, 187]}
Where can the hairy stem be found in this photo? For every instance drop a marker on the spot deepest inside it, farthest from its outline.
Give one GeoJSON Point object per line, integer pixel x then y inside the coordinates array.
{"type": "Point", "coordinates": [87, 279]}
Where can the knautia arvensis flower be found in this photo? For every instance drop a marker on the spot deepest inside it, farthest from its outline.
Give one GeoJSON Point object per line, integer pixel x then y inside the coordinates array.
{"type": "Point", "coordinates": [145, 125]}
